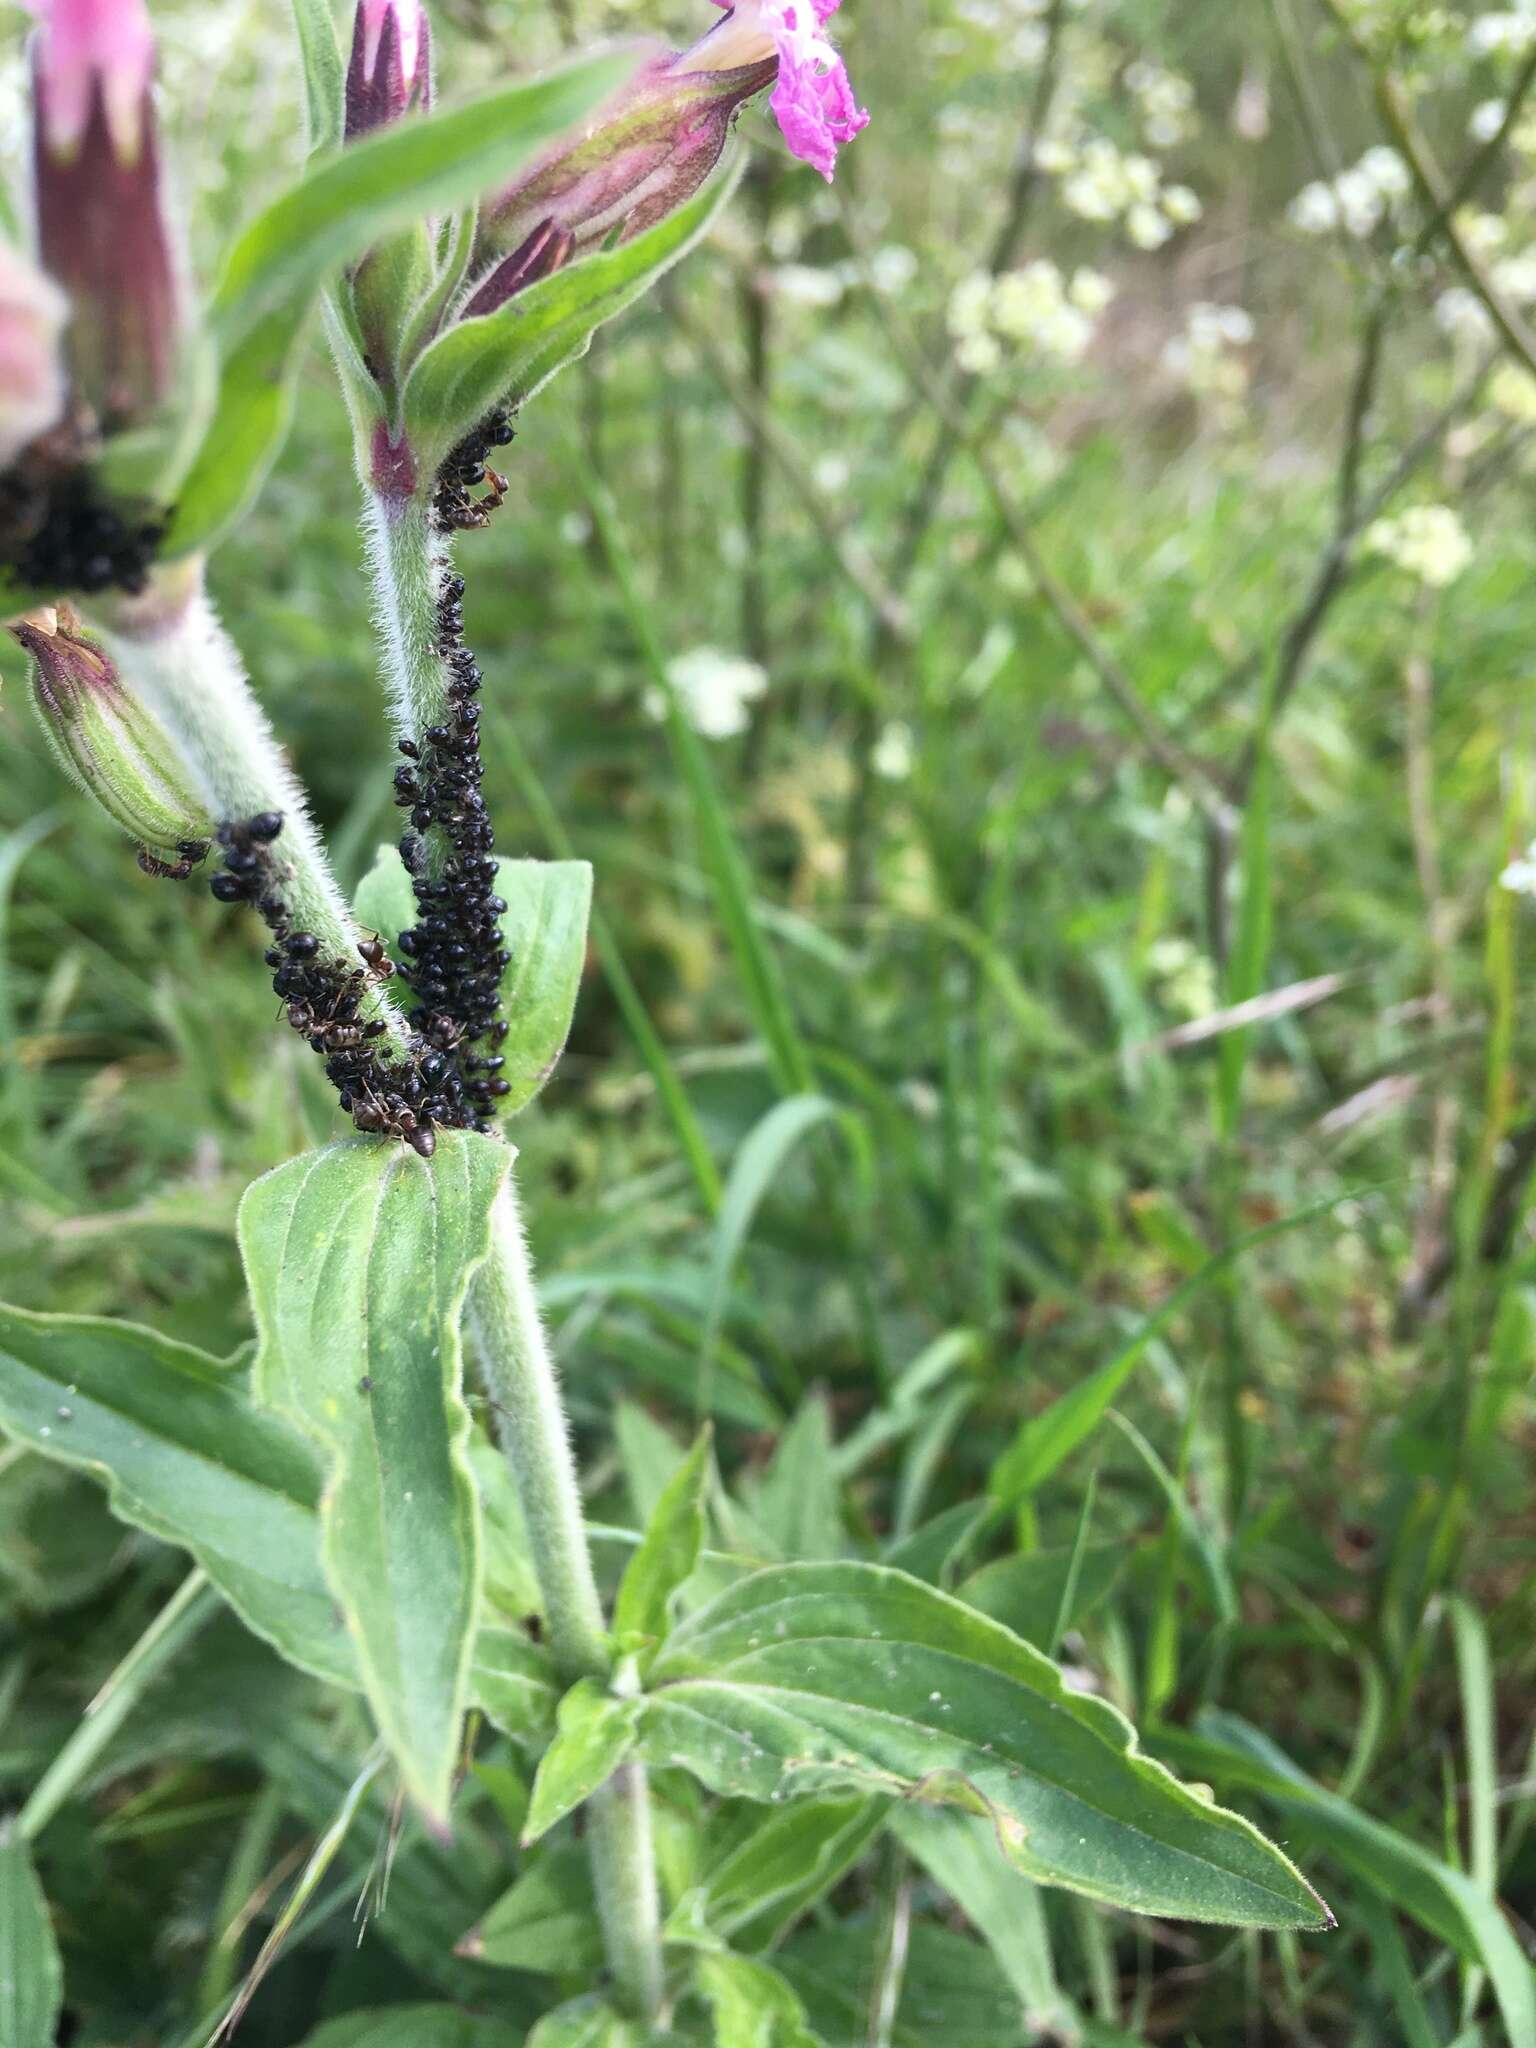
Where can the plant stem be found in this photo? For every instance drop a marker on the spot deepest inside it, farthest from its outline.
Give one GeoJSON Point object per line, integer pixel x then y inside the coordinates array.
{"type": "Point", "coordinates": [407, 558]}
{"type": "Point", "coordinates": [524, 1385]}
{"type": "Point", "coordinates": [172, 651]}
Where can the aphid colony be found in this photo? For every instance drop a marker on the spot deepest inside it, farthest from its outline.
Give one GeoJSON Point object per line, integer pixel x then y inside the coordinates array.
{"type": "Point", "coordinates": [400, 1096]}
{"type": "Point", "coordinates": [57, 531]}
{"type": "Point", "coordinates": [452, 958]}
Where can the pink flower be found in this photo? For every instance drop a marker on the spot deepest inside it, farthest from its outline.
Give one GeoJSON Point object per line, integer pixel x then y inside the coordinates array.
{"type": "Point", "coordinates": [86, 46]}
{"type": "Point", "coordinates": [102, 228]}
{"type": "Point", "coordinates": [32, 389]}
{"type": "Point", "coordinates": [390, 68]}
{"type": "Point", "coordinates": [813, 101]}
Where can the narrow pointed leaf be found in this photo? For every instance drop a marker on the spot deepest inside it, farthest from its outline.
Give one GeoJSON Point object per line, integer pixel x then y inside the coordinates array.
{"type": "Point", "coordinates": [668, 1551]}
{"type": "Point", "coordinates": [358, 1258]}
{"type": "Point", "coordinates": [594, 1733]}
{"type": "Point", "coordinates": [808, 1678]}
{"type": "Point", "coordinates": [31, 1977]}
{"type": "Point", "coordinates": [503, 358]}
{"type": "Point", "coordinates": [752, 2005]}
{"type": "Point", "coordinates": [547, 1921]}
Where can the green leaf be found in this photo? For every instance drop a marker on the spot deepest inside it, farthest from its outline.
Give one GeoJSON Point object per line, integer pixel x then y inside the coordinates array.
{"type": "Point", "coordinates": [385, 902]}
{"type": "Point", "coordinates": [588, 2022]}
{"type": "Point", "coordinates": [544, 928]}
{"type": "Point", "coordinates": [785, 1861]}
{"type": "Point", "coordinates": [324, 76]}
{"type": "Point", "coordinates": [514, 1683]}
{"type": "Point", "coordinates": [1045, 1441]}
{"type": "Point", "coordinates": [758, 1165]}
{"type": "Point", "coordinates": [186, 1456]}
{"type": "Point", "coordinates": [959, 1851]}
{"type": "Point", "coordinates": [31, 1976]}
{"type": "Point", "coordinates": [814, 1677]}
{"type": "Point", "coordinates": [503, 358]}
{"type": "Point", "coordinates": [648, 1451]}
{"type": "Point", "coordinates": [358, 1258]}
{"type": "Point", "coordinates": [796, 1503]}
{"type": "Point", "coordinates": [1025, 1593]}
{"type": "Point", "coordinates": [547, 1921]}
{"type": "Point", "coordinates": [415, 2026]}
{"type": "Point", "coordinates": [669, 1550]}
{"type": "Point", "coordinates": [952, 1994]}
{"type": "Point", "coordinates": [594, 1733]}
{"type": "Point", "coordinates": [753, 2006]}
{"type": "Point", "coordinates": [1445, 1901]}
{"type": "Point", "coordinates": [390, 179]}
{"type": "Point", "coordinates": [336, 211]}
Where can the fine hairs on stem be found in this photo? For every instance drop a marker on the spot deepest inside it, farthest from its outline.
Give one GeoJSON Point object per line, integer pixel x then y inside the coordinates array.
{"type": "Point", "coordinates": [508, 1337]}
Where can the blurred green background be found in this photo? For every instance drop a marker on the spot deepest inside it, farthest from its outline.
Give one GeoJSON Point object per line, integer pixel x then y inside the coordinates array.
{"type": "Point", "coordinates": [984, 602]}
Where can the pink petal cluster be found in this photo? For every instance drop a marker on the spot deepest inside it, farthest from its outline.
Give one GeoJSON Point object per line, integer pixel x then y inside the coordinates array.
{"type": "Point", "coordinates": [813, 100]}
{"type": "Point", "coordinates": [410, 23]}
{"type": "Point", "coordinates": [32, 389]}
{"type": "Point", "coordinates": [83, 46]}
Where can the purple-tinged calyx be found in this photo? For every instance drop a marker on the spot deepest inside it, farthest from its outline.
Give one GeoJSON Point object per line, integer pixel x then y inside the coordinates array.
{"type": "Point", "coordinates": [101, 221]}
{"type": "Point", "coordinates": [812, 100]}
{"type": "Point", "coordinates": [106, 741]}
{"type": "Point", "coordinates": [548, 249]}
{"type": "Point", "coordinates": [645, 155]}
{"type": "Point", "coordinates": [33, 388]}
{"type": "Point", "coordinates": [389, 73]}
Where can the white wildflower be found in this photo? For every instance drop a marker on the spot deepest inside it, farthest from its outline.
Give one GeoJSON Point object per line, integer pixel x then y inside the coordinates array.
{"type": "Point", "coordinates": [1512, 391]}
{"type": "Point", "coordinates": [978, 354]}
{"type": "Point", "coordinates": [714, 690]}
{"type": "Point", "coordinates": [894, 752]}
{"type": "Point", "coordinates": [1520, 876]}
{"type": "Point", "coordinates": [1462, 315]}
{"type": "Point", "coordinates": [1090, 291]}
{"type": "Point", "coordinates": [1314, 210]}
{"type": "Point", "coordinates": [803, 285]}
{"type": "Point", "coordinates": [1427, 541]}
{"type": "Point", "coordinates": [1148, 228]}
{"type": "Point", "coordinates": [1181, 205]}
{"type": "Point", "coordinates": [892, 268]}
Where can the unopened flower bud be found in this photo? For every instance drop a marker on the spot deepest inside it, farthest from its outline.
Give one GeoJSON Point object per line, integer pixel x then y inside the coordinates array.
{"type": "Point", "coordinates": [641, 159]}
{"type": "Point", "coordinates": [105, 739]}
{"type": "Point", "coordinates": [390, 72]}
{"type": "Point", "coordinates": [33, 312]}
{"type": "Point", "coordinates": [102, 227]}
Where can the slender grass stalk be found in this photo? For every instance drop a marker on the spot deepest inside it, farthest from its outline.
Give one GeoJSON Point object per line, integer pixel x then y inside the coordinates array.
{"type": "Point", "coordinates": [189, 1609]}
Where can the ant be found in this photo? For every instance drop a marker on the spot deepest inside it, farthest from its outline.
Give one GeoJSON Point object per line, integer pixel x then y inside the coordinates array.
{"type": "Point", "coordinates": [191, 851]}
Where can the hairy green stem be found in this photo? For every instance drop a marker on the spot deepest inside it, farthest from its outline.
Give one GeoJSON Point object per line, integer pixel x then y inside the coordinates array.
{"type": "Point", "coordinates": [176, 656]}
{"type": "Point", "coordinates": [408, 557]}
{"type": "Point", "coordinates": [522, 1380]}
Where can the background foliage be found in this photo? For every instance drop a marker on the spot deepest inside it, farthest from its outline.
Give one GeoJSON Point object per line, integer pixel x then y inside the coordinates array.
{"type": "Point", "coordinates": [1064, 741]}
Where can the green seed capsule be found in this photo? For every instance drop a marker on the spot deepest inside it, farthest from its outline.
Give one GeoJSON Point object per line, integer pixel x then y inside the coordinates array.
{"type": "Point", "coordinates": [106, 741]}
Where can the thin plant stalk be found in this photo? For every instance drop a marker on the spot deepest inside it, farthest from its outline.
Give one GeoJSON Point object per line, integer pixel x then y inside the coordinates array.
{"type": "Point", "coordinates": [191, 1607]}
{"type": "Point", "coordinates": [174, 653]}
{"type": "Point", "coordinates": [522, 1380]}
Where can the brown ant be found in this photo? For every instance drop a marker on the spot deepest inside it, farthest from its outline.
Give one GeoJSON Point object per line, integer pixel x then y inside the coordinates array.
{"type": "Point", "coordinates": [191, 851]}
